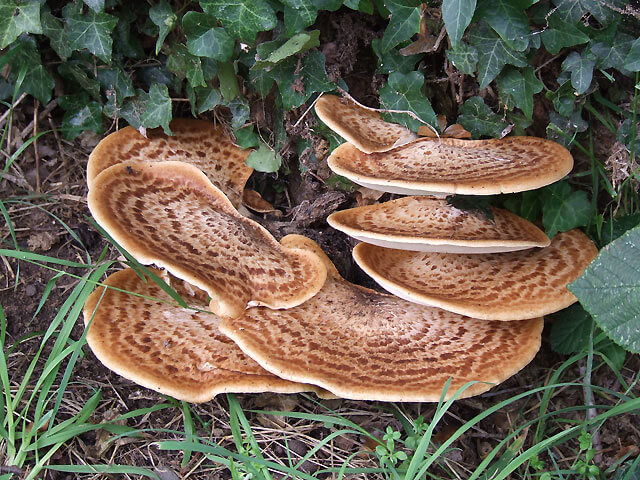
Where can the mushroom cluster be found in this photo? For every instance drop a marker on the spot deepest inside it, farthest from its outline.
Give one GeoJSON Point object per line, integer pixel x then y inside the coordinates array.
{"type": "Point", "coordinates": [276, 316]}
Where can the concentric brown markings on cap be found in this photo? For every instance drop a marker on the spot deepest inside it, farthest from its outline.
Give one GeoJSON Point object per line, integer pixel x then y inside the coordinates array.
{"type": "Point", "coordinates": [362, 126]}
{"type": "Point", "coordinates": [498, 286]}
{"type": "Point", "coordinates": [362, 344]}
{"type": "Point", "coordinates": [170, 349]}
{"type": "Point", "coordinates": [449, 165]}
{"type": "Point", "coordinates": [432, 225]}
{"type": "Point", "coordinates": [169, 214]}
{"type": "Point", "coordinates": [196, 142]}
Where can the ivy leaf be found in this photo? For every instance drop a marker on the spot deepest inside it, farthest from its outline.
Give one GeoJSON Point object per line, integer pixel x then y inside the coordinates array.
{"type": "Point", "coordinates": [95, 5]}
{"type": "Point", "coordinates": [184, 65]}
{"type": "Point", "coordinates": [73, 72]}
{"type": "Point", "coordinates": [632, 60]}
{"type": "Point", "coordinates": [162, 15]}
{"type": "Point", "coordinates": [457, 15]}
{"type": "Point", "coordinates": [117, 80]}
{"type": "Point", "coordinates": [157, 109]}
{"type": "Point", "coordinates": [91, 31]}
{"type": "Point", "coordinates": [508, 19]}
{"type": "Point", "coordinates": [563, 99]}
{"type": "Point", "coordinates": [246, 137]}
{"type": "Point", "coordinates": [228, 81]}
{"type": "Point", "coordinates": [493, 54]}
{"type": "Point", "coordinates": [314, 74]}
{"type": "Point", "coordinates": [264, 159]}
{"type": "Point", "coordinates": [331, 5]}
{"type": "Point", "coordinates": [570, 11]}
{"type": "Point", "coordinates": [18, 18]}
{"type": "Point", "coordinates": [53, 29]}
{"type": "Point", "coordinates": [404, 22]}
{"type": "Point", "coordinates": [612, 55]}
{"type": "Point", "coordinates": [133, 109]}
{"type": "Point", "coordinates": [560, 34]}
{"type": "Point", "coordinates": [80, 115]}
{"type": "Point", "coordinates": [571, 330]}
{"type": "Point", "coordinates": [23, 54]}
{"type": "Point", "coordinates": [480, 120]}
{"type": "Point", "coordinates": [207, 99]}
{"type": "Point", "coordinates": [563, 210]}
{"type": "Point", "coordinates": [562, 129]}
{"type": "Point", "coordinates": [464, 58]}
{"type": "Point", "coordinates": [244, 18]}
{"type": "Point", "coordinates": [581, 68]}
{"type": "Point", "coordinates": [298, 15]}
{"type": "Point", "coordinates": [364, 6]}
{"type": "Point", "coordinates": [403, 91]}
{"type": "Point", "coordinates": [296, 44]}
{"type": "Point", "coordinates": [393, 60]}
{"type": "Point", "coordinates": [526, 204]}
{"type": "Point", "coordinates": [609, 289]}
{"type": "Point", "coordinates": [240, 111]}
{"type": "Point", "coordinates": [517, 88]}
{"type": "Point", "coordinates": [295, 86]}
{"type": "Point", "coordinates": [205, 38]}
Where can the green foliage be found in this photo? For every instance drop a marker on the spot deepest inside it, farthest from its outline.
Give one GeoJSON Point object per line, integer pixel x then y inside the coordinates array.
{"type": "Point", "coordinates": [457, 15]}
{"type": "Point", "coordinates": [563, 209]}
{"type": "Point", "coordinates": [403, 91]}
{"type": "Point", "coordinates": [264, 159]}
{"type": "Point", "coordinates": [609, 290]}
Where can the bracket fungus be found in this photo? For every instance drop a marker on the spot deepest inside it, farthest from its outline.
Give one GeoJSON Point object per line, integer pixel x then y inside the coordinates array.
{"type": "Point", "coordinates": [439, 166]}
{"type": "Point", "coordinates": [196, 142]}
{"type": "Point", "coordinates": [493, 286]}
{"type": "Point", "coordinates": [433, 225]}
{"type": "Point", "coordinates": [361, 344]}
{"type": "Point", "coordinates": [136, 330]}
{"type": "Point", "coordinates": [170, 214]}
{"type": "Point", "coordinates": [360, 125]}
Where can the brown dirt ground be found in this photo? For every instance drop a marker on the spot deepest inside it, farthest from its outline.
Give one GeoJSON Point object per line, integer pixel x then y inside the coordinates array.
{"type": "Point", "coordinates": [59, 187]}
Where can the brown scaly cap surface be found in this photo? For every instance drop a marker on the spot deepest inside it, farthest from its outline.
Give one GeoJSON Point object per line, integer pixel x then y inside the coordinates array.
{"type": "Point", "coordinates": [170, 214]}
{"type": "Point", "coordinates": [431, 224]}
{"type": "Point", "coordinates": [497, 286]}
{"type": "Point", "coordinates": [362, 126]}
{"type": "Point", "coordinates": [196, 142]}
{"type": "Point", "coordinates": [450, 165]}
{"type": "Point", "coordinates": [361, 344]}
{"type": "Point", "coordinates": [170, 349]}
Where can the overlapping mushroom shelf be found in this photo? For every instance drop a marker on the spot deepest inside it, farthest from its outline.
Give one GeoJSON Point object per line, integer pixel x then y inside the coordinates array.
{"type": "Point", "coordinates": [267, 315]}
{"type": "Point", "coordinates": [426, 250]}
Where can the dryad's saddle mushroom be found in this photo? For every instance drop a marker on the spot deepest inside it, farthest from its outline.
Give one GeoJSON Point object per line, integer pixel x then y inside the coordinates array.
{"type": "Point", "coordinates": [433, 225]}
{"type": "Point", "coordinates": [498, 286]}
{"type": "Point", "coordinates": [195, 142]}
{"type": "Point", "coordinates": [439, 166]}
{"type": "Point", "coordinates": [361, 344]}
{"type": "Point", "coordinates": [137, 331]}
{"type": "Point", "coordinates": [170, 214]}
{"type": "Point", "coordinates": [360, 125]}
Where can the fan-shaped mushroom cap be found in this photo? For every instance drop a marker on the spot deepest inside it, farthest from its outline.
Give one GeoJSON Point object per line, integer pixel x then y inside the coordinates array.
{"type": "Point", "coordinates": [177, 351]}
{"type": "Point", "coordinates": [170, 214]}
{"type": "Point", "coordinates": [493, 286]}
{"type": "Point", "coordinates": [360, 125]}
{"type": "Point", "coordinates": [432, 225]}
{"type": "Point", "coordinates": [361, 344]}
{"type": "Point", "coordinates": [195, 142]}
{"type": "Point", "coordinates": [436, 166]}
